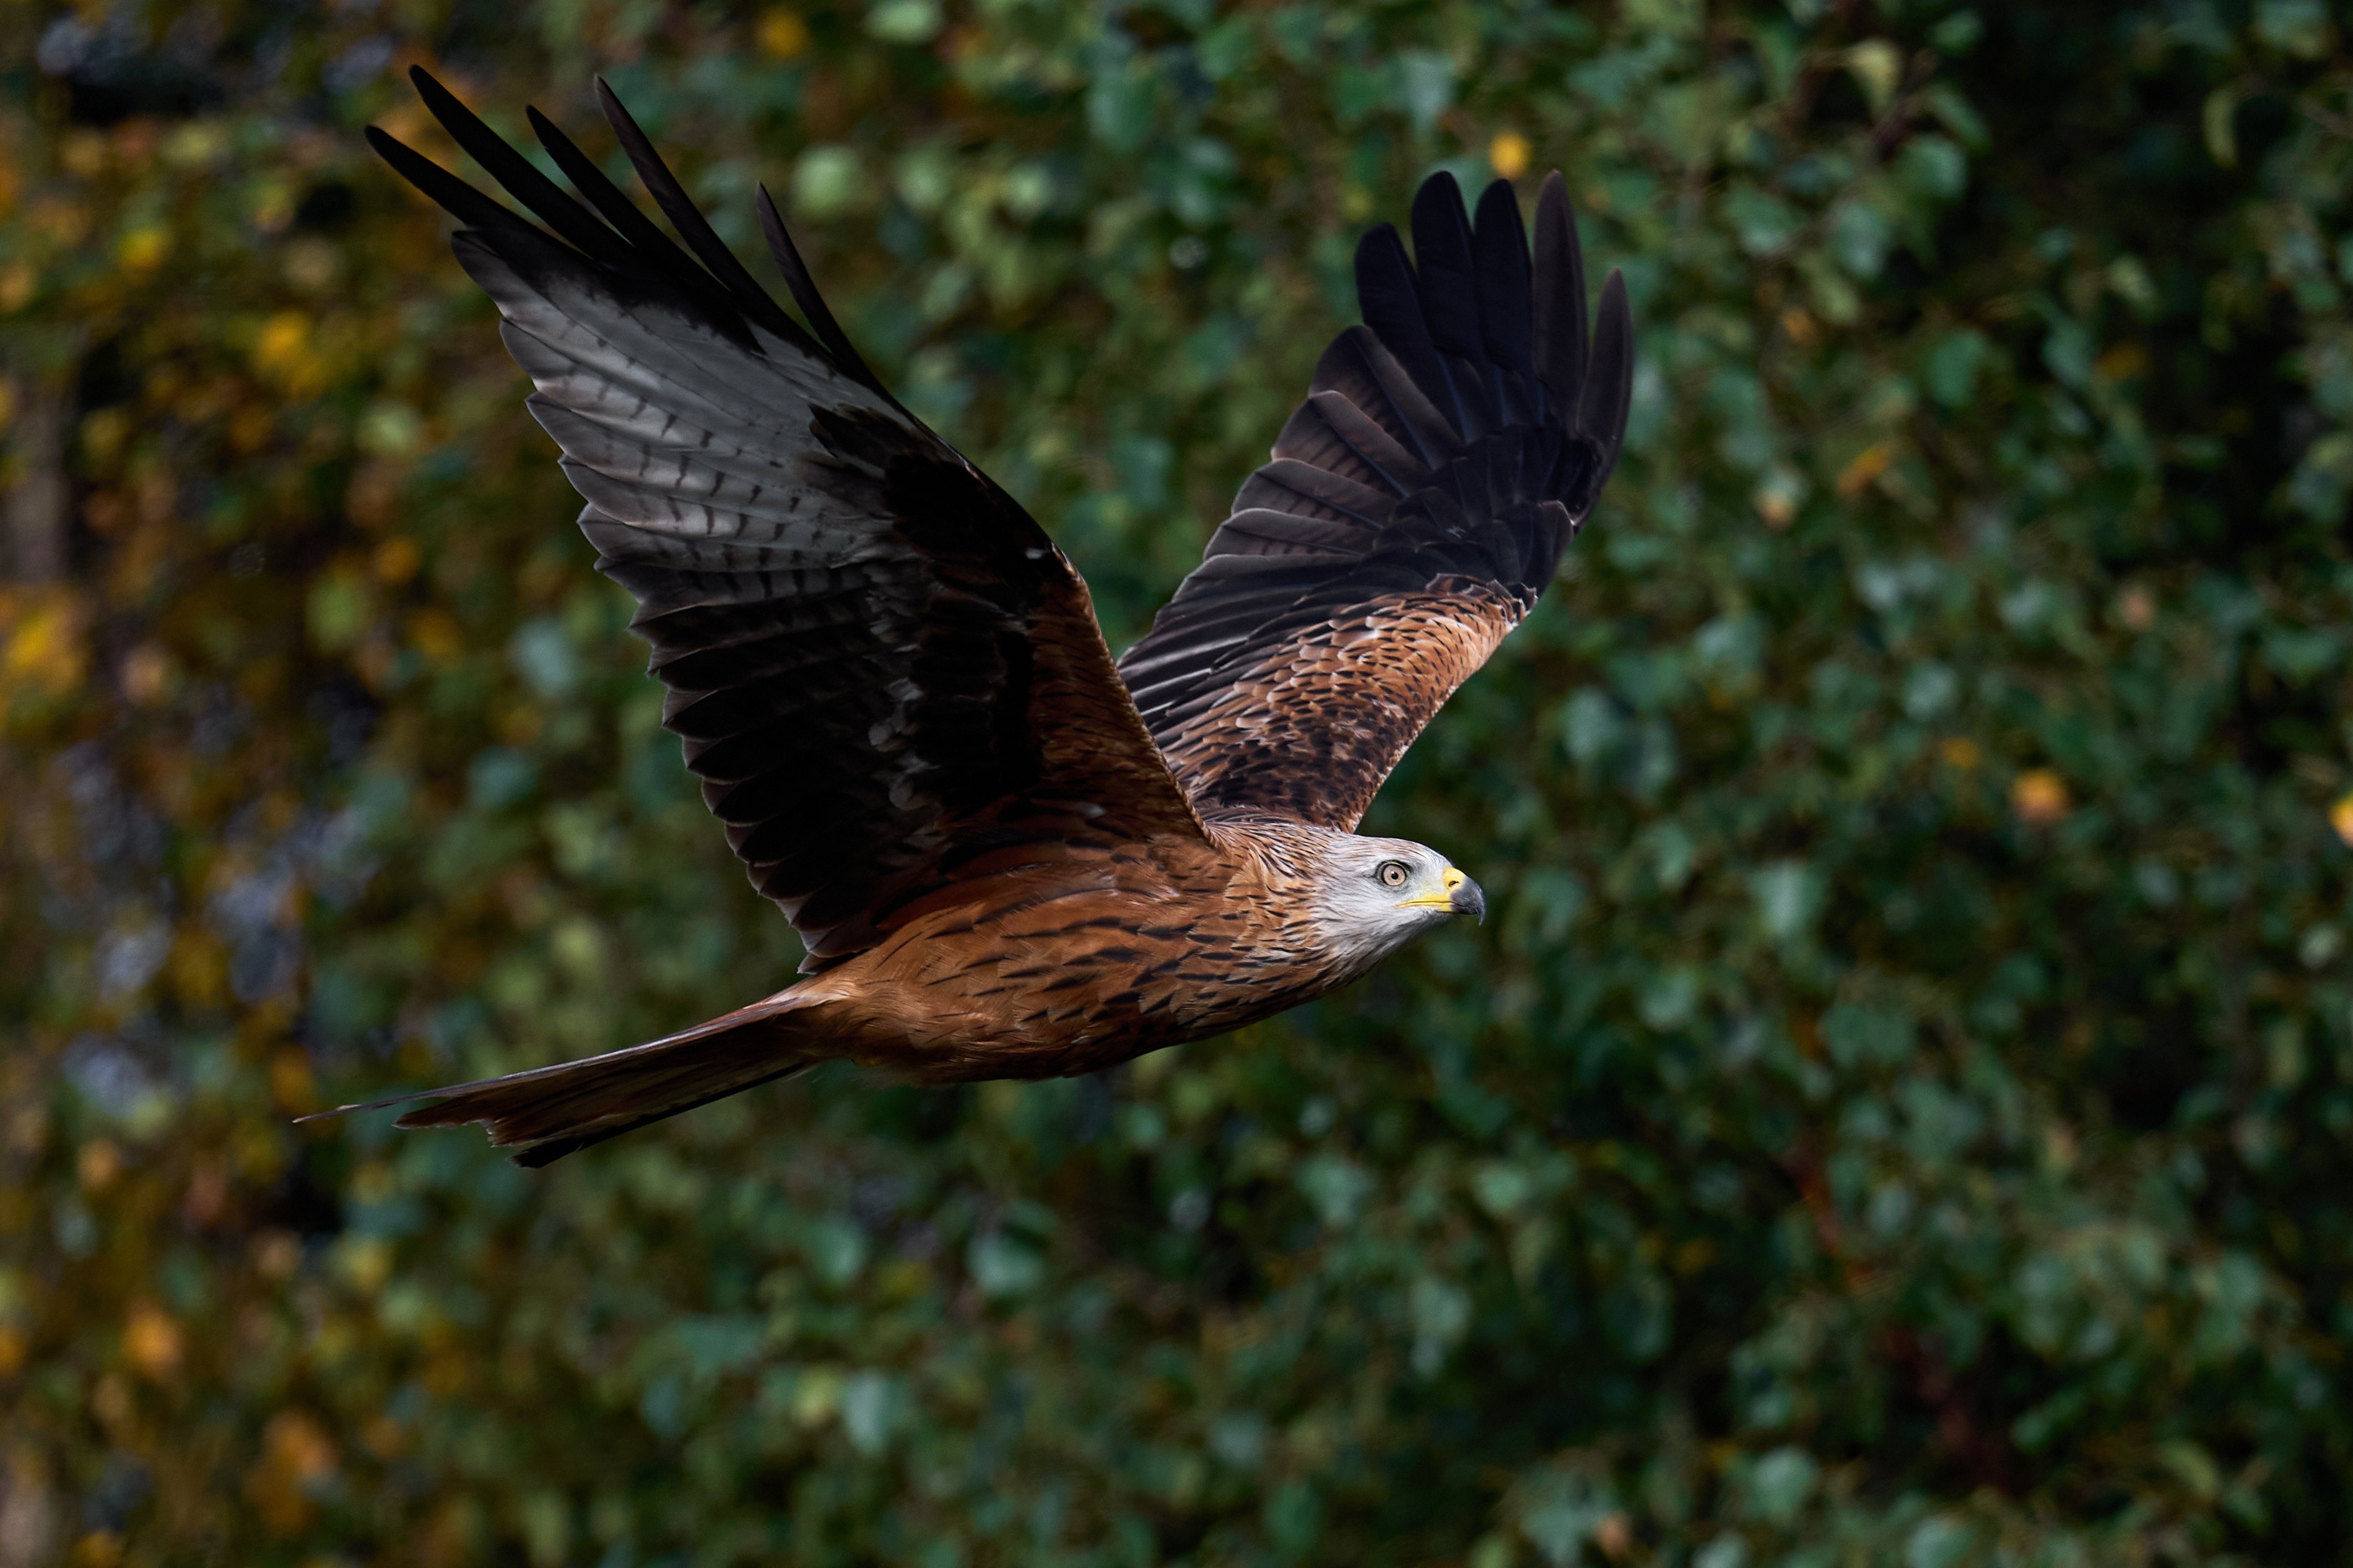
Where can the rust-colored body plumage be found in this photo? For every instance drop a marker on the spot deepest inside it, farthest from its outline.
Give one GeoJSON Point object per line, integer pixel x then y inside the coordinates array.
{"type": "Point", "coordinates": [1008, 855]}
{"type": "Point", "coordinates": [1081, 964]}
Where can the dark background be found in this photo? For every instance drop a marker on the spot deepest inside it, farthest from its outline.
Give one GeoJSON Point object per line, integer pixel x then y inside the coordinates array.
{"type": "Point", "coordinates": [1898, 1111]}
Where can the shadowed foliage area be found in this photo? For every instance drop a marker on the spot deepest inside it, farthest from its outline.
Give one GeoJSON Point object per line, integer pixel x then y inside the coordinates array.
{"type": "Point", "coordinates": [1899, 1111]}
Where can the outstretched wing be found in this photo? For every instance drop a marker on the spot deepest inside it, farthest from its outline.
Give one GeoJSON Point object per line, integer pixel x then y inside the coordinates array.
{"type": "Point", "coordinates": [885, 674]}
{"type": "Point", "coordinates": [1415, 510]}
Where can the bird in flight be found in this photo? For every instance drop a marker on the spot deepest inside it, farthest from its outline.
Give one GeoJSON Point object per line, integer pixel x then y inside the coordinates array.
{"type": "Point", "coordinates": [1007, 854]}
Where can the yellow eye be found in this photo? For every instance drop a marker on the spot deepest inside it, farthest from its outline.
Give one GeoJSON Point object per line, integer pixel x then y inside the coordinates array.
{"type": "Point", "coordinates": [1393, 874]}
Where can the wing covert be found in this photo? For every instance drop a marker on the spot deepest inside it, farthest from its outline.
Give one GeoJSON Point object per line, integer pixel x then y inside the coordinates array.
{"type": "Point", "coordinates": [884, 672]}
{"type": "Point", "coordinates": [1414, 510]}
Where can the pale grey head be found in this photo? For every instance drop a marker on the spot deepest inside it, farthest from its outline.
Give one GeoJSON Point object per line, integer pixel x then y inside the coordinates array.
{"type": "Point", "coordinates": [1373, 895]}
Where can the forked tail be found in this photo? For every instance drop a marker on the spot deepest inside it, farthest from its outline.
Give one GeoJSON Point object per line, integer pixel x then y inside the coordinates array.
{"type": "Point", "coordinates": [548, 1112]}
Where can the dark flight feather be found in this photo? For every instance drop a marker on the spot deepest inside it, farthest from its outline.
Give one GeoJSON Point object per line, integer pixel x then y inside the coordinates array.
{"type": "Point", "coordinates": [804, 292]}
{"type": "Point", "coordinates": [653, 248]}
{"type": "Point", "coordinates": [1505, 325]}
{"type": "Point", "coordinates": [1557, 307]}
{"type": "Point", "coordinates": [542, 197]}
{"type": "Point", "coordinates": [1444, 277]}
{"type": "Point", "coordinates": [1390, 301]}
{"type": "Point", "coordinates": [686, 218]}
{"type": "Point", "coordinates": [1609, 389]}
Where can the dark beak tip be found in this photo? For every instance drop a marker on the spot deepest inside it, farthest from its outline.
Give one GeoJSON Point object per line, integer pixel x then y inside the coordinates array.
{"type": "Point", "coordinates": [1470, 900]}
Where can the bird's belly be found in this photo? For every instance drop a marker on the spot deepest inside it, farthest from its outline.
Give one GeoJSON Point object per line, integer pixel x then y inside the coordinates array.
{"type": "Point", "coordinates": [1067, 984]}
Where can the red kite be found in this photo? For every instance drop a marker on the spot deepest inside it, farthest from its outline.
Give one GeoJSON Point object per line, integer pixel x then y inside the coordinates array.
{"type": "Point", "coordinates": [1008, 856]}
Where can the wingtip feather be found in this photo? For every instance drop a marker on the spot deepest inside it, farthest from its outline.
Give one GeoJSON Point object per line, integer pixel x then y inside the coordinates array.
{"type": "Point", "coordinates": [1446, 265]}
{"type": "Point", "coordinates": [1498, 242]}
{"type": "Point", "coordinates": [1388, 297]}
{"type": "Point", "coordinates": [1430, 198]}
{"type": "Point", "coordinates": [804, 290]}
{"type": "Point", "coordinates": [1563, 334]}
{"type": "Point", "coordinates": [521, 179]}
{"type": "Point", "coordinates": [444, 189]}
{"type": "Point", "coordinates": [1609, 388]}
{"type": "Point", "coordinates": [686, 218]}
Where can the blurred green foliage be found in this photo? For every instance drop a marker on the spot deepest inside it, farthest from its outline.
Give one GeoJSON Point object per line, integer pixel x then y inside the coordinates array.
{"type": "Point", "coordinates": [1900, 1113]}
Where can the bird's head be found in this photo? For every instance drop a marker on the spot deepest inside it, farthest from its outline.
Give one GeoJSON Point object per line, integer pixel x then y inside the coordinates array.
{"type": "Point", "coordinates": [1377, 893]}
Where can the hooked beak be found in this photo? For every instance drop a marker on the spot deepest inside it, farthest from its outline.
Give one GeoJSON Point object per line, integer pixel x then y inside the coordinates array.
{"type": "Point", "coordinates": [1463, 895]}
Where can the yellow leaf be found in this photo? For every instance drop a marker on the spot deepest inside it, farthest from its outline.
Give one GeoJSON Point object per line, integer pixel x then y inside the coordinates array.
{"type": "Point", "coordinates": [396, 560]}
{"type": "Point", "coordinates": [2340, 818]}
{"type": "Point", "coordinates": [340, 607]}
{"type": "Point", "coordinates": [150, 1342]}
{"type": "Point", "coordinates": [1508, 154]}
{"type": "Point", "coordinates": [1867, 466]}
{"type": "Point", "coordinates": [782, 33]}
{"type": "Point", "coordinates": [104, 435]}
{"type": "Point", "coordinates": [195, 144]}
{"type": "Point", "coordinates": [2221, 120]}
{"type": "Point", "coordinates": [44, 648]}
{"type": "Point", "coordinates": [284, 344]}
{"type": "Point", "coordinates": [300, 1444]}
{"type": "Point", "coordinates": [296, 1453]}
{"type": "Point", "coordinates": [2040, 797]}
{"type": "Point", "coordinates": [143, 250]}
{"type": "Point", "coordinates": [1878, 68]}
